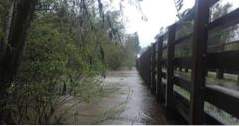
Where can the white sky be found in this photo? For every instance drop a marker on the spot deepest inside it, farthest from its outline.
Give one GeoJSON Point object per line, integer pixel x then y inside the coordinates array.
{"type": "Point", "coordinates": [159, 13]}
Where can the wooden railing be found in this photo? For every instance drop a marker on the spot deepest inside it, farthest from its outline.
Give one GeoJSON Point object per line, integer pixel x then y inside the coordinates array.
{"type": "Point", "coordinates": [158, 71]}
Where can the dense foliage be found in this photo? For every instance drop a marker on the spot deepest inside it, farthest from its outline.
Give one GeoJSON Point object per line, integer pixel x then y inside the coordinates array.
{"type": "Point", "coordinates": [68, 46]}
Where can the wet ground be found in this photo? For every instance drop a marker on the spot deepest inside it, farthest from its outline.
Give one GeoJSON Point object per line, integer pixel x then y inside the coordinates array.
{"type": "Point", "coordinates": [141, 106]}
{"type": "Point", "coordinates": [129, 102]}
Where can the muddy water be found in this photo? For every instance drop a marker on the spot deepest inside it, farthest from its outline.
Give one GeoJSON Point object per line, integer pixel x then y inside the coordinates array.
{"type": "Point", "coordinates": [140, 106]}
{"type": "Point", "coordinates": [128, 101]}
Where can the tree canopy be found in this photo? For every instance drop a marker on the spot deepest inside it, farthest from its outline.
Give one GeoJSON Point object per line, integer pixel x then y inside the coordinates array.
{"type": "Point", "coordinates": [56, 48]}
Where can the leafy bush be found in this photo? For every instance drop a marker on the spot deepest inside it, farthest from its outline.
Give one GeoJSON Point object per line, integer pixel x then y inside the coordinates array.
{"type": "Point", "coordinates": [65, 53]}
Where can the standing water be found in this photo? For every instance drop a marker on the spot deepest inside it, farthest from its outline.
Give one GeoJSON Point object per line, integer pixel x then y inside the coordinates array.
{"type": "Point", "coordinates": [127, 101]}
{"type": "Point", "coordinates": [140, 107]}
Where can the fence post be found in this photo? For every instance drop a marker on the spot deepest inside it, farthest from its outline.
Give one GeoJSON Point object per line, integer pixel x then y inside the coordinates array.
{"type": "Point", "coordinates": [170, 68]}
{"type": "Point", "coordinates": [151, 67]}
{"type": "Point", "coordinates": [159, 69]}
{"type": "Point", "coordinates": [148, 67]}
{"type": "Point", "coordinates": [153, 88]}
{"type": "Point", "coordinates": [219, 73]}
{"type": "Point", "coordinates": [199, 46]}
{"type": "Point", "coordinates": [186, 70]}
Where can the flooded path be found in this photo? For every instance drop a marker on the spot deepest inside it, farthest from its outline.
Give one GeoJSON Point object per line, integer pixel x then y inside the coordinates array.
{"type": "Point", "coordinates": [141, 106]}
{"type": "Point", "coordinates": [128, 102]}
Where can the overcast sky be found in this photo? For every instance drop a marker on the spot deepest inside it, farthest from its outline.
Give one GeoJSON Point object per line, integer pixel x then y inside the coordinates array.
{"type": "Point", "coordinates": [160, 13]}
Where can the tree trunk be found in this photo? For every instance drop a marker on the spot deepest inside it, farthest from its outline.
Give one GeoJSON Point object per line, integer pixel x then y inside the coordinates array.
{"type": "Point", "coordinates": [20, 16]}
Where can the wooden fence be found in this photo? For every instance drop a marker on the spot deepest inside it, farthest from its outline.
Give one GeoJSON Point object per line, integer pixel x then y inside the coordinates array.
{"type": "Point", "coordinates": [157, 66]}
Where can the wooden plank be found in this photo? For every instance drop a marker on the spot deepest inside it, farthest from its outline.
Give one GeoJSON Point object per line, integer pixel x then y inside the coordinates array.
{"type": "Point", "coordinates": [209, 119]}
{"type": "Point", "coordinates": [170, 68]}
{"type": "Point", "coordinates": [224, 60]}
{"type": "Point", "coordinates": [185, 104]}
{"type": "Point", "coordinates": [182, 39]}
{"type": "Point", "coordinates": [182, 105]}
{"type": "Point", "coordinates": [224, 44]}
{"type": "Point", "coordinates": [183, 83]}
{"type": "Point", "coordinates": [199, 50]}
{"type": "Point", "coordinates": [223, 98]}
{"type": "Point", "coordinates": [226, 21]}
{"type": "Point", "coordinates": [229, 71]}
{"type": "Point", "coordinates": [185, 62]}
{"type": "Point", "coordinates": [183, 100]}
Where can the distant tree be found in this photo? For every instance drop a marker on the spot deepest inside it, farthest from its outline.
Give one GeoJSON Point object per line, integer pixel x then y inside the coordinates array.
{"type": "Point", "coordinates": [178, 4]}
{"type": "Point", "coordinates": [51, 48]}
{"type": "Point", "coordinates": [218, 36]}
{"type": "Point", "coordinates": [132, 49]}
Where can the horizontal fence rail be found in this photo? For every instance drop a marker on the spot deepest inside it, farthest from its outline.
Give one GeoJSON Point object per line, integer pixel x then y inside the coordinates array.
{"type": "Point", "coordinates": [159, 66]}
